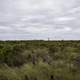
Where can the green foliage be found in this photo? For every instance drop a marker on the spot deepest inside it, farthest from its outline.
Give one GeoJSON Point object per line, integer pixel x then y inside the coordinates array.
{"type": "Point", "coordinates": [39, 60]}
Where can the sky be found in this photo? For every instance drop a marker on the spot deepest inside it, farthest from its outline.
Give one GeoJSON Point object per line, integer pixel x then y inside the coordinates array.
{"type": "Point", "coordinates": [39, 19]}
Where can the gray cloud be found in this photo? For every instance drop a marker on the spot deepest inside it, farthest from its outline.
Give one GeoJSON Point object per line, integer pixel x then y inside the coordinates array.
{"type": "Point", "coordinates": [39, 19]}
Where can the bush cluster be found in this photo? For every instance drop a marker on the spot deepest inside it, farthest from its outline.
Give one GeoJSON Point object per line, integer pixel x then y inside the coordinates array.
{"type": "Point", "coordinates": [39, 60]}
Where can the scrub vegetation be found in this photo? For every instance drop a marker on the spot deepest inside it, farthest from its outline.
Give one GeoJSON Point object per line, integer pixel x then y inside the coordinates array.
{"type": "Point", "coordinates": [39, 60]}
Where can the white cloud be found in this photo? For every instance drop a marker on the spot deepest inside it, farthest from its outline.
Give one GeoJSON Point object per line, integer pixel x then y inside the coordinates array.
{"type": "Point", "coordinates": [64, 19]}
{"type": "Point", "coordinates": [74, 10]}
{"type": "Point", "coordinates": [34, 29]}
{"type": "Point", "coordinates": [41, 17]}
{"type": "Point", "coordinates": [5, 28]}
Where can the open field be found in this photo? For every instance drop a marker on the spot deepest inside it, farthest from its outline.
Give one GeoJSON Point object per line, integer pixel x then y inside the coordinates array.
{"type": "Point", "coordinates": [39, 60]}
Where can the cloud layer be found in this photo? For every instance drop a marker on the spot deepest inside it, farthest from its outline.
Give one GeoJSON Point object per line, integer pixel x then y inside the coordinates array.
{"type": "Point", "coordinates": [39, 19]}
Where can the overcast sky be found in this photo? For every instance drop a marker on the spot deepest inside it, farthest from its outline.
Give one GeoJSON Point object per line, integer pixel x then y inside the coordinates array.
{"type": "Point", "coordinates": [39, 19]}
